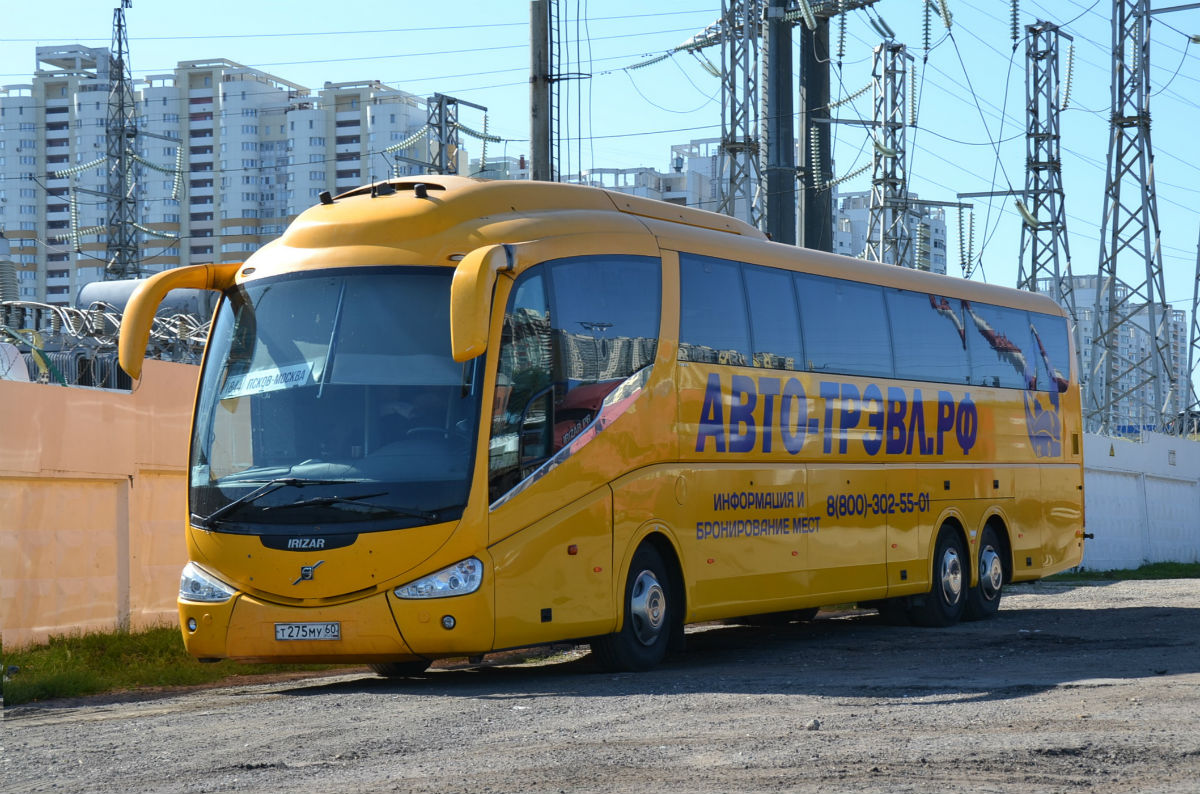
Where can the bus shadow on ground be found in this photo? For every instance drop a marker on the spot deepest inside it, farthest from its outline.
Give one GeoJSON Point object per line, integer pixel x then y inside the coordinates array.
{"type": "Point", "coordinates": [1017, 653]}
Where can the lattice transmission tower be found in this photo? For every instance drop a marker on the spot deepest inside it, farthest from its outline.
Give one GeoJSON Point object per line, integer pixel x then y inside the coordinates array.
{"type": "Point", "coordinates": [888, 234]}
{"type": "Point", "coordinates": [1045, 264]}
{"type": "Point", "coordinates": [1189, 423]}
{"type": "Point", "coordinates": [740, 153]}
{"type": "Point", "coordinates": [121, 132]}
{"type": "Point", "coordinates": [1131, 385]}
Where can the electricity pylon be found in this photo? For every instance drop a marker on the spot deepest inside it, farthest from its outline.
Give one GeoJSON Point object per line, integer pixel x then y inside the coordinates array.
{"type": "Point", "coordinates": [1131, 386]}
{"type": "Point", "coordinates": [888, 237]}
{"type": "Point", "coordinates": [1045, 253]}
{"type": "Point", "coordinates": [739, 154]}
{"type": "Point", "coordinates": [121, 252]}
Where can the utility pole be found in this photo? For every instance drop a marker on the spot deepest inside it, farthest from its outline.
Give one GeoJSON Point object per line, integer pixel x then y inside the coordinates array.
{"type": "Point", "coordinates": [120, 130]}
{"type": "Point", "coordinates": [816, 197]}
{"type": "Point", "coordinates": [1130, 388]}
{"type": "Point", "coordinates": [888, 237]}
{"type": "Point", "coordinates": [540, 125]}
{"type": "Point", "coordinates": [781, 139]}
{"type": "Point", "coordinates": [1044, 227]}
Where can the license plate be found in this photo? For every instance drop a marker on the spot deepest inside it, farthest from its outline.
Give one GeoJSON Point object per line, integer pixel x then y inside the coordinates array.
{"type": "Point", "coordinates": [308, 631]}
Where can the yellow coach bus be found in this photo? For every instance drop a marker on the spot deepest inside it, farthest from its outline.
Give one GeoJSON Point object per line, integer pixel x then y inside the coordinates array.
{"type": "Point", "coordinates": [443, 417]}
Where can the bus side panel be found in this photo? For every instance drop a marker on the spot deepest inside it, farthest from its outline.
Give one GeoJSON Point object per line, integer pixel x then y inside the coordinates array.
{"type": "Point", "coordinates": [847, 556]}
{"type": "Point", "coordinates": [1026, 530]}
{"type": "Point", "coordinates": [1062, 500]}
{"type": "Point", "coordinates": [554, 580]}
{"type": "Point", "coordinates": [971, 495]}
{"type": "Point", "coordinates": [908, 532]}
{"type": "Point", "coordinates": [742, 532]}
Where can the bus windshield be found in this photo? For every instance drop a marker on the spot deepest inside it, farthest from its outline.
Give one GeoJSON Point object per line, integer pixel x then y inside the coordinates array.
{"type": "Point", "coordinates": [331, 398]}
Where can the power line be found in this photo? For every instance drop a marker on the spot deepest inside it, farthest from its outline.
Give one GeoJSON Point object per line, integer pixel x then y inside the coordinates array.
{"type": "Point", "coordinates": [298, 34]}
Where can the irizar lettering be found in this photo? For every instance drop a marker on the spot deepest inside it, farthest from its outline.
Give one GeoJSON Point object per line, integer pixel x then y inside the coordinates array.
{"type": "Point", "coordinates": [760, 414]}
{"type": "Point", "coordinates": [306, 543]}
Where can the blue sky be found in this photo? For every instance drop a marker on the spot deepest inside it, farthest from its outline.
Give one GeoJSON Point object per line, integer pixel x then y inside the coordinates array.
{"type": "Point", "coordinates": [971, 87]}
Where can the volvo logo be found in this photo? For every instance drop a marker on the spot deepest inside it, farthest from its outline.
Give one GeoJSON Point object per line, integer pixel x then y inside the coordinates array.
{"type": "Point", "coordinates": [306, 572]}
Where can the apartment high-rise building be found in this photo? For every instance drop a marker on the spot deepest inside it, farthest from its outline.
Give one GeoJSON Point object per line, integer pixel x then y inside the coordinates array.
{"type": "Point", "coordinates": [226, 155]}
{"type": "Point", "coordinates": [926, 230]}
{"type": "Point", "coordinates": [1134, 342]}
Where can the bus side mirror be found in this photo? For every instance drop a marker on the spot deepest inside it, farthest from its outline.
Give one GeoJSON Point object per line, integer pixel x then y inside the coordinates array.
{"type": "Point", "coordinates": [143, 303]}
{"type": "Point", "coordinates": [471, 298]}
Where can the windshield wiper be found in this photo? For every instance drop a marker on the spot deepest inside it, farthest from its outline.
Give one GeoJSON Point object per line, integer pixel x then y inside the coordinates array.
{"type": "Point", "coordinates": [268, 487]}
{"type": "Point", "coordinates": [357, 505]}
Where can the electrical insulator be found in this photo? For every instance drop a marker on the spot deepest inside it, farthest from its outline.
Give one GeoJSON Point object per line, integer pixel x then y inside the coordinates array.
{"type": "Point", "coordinates": [814, 154]}
{"type": "Point", "coordinates": [1066, 98]}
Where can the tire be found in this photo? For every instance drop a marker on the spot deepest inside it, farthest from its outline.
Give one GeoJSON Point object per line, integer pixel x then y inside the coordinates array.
{"type": "Point", "coordinates": [400, 669]}
{"type": "Point", "coordinates": [650, 614]}
{"type": "Point", "coordinates": [946, 600]}
{"type": "Point", "coordinates": [983, 600]}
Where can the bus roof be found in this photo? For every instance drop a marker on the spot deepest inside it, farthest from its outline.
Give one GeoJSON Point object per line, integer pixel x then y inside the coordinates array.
{"type": "Point", "coordinates": [437, 219]}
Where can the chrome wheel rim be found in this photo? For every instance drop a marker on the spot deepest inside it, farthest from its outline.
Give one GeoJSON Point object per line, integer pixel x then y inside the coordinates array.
{"type": "Point", "coordinates": [991, 573]}
{"type": "Point", "coordinates": [951, 576]}
{"type": "Point", "coordinates": [647, 607]}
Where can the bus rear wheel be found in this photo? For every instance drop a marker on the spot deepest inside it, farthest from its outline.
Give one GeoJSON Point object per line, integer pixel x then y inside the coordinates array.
{"type": "Point", "coordinates": [649, 617]}
{"type": "Point", "coordinates": [946, 600]}
{"type": "Point", "coordinates": [983, 600]}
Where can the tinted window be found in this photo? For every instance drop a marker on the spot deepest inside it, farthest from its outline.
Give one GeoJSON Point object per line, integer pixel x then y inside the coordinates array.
{"type": "Point", "coordinates": [998, 342]}
{"type": "Point", "coordinates": [713, 326]}
{"type": "Point", "coordinates": [845, 326]}
{"type": "Point", "coordinates": [523, 375]}
{"type": "Point", "coordinates": [774, 320]}
{"type": "Point", "coordinates": [573, 331]}
{"type": "Point", "coordinates": [605, 318]}
{"type": "Point", "coordinates": [928, 336]}
{"type": "Point", "coordinates": [1051, 351]}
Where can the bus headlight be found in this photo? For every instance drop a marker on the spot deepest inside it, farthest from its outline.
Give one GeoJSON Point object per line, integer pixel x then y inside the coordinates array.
{"type": "Point", "coordinates": [197, 585]}
{"type": "Point", "coordinates": [459, 579]}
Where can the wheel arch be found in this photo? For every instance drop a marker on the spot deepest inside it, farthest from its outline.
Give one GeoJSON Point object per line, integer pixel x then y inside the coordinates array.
{"type": "Point", "coordinates": [659, 536]}
{"type": "Point", "coordinates": [952, 518]}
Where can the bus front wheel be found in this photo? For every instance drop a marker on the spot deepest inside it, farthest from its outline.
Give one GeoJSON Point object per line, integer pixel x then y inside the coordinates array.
{"type": "Point", "coordinates": [943, 605]}
{"type": "Point", "coordinates": [649, 612]}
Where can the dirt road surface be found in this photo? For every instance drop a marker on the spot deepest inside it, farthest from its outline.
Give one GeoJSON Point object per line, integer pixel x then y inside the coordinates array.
{"type": "Point", "coordinates": [1071, 688]}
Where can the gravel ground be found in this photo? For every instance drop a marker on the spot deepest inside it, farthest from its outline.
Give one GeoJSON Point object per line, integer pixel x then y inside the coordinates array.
{"type": "Point", "coordinates": [1071, 688]}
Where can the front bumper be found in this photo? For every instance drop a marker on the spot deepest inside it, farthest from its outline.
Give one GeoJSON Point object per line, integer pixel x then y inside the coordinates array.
{"type": "Point", "coordinates": [378, 628]}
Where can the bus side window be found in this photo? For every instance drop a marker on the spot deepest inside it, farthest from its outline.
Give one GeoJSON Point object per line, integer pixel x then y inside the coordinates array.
{"type": "Point", "coordinates": [845, 326]}
{"type": "Point", "coordinates": [713, 324]}
{"type": "Point", "coordinates": [1050, 351]}
{"type": "Point", "coordinates": [929, 338]}
{"type": "Point", "coordinates": [605, 315]}
{"type": "Point", "coordinates": [774, 319]}
{"type": "Point", "coordinates": [998, 341]}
